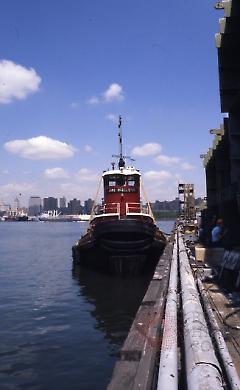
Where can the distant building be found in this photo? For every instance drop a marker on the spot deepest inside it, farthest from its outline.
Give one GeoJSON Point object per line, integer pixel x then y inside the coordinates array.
{"type": "Point", "coordinates": [88, 204]}
{"type": "Point", "coordinates": [16, 205]}
{"type": "Point", "coordinates": [34, 206]}
{"type": "Point", "coordinates": [74, 206]}
{"type": "Point", "coordinates": [4, 207]}
{"type": "Point", "coordinates": [62, 203]}
{"type": "Point", "coordinates": [50, 204]}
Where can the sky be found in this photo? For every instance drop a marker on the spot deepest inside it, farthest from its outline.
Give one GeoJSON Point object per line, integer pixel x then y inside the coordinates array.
{"type": "Point", "coordinates": [67, 70]}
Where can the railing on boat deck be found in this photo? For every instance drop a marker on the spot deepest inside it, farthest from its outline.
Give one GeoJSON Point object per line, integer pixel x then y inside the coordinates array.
{"type": "Point", "coordinates": [114, 209]}
{"type": "Point", "coordinates": [111, 208]}
{"type": "Point", "coordinates": [133, 208]}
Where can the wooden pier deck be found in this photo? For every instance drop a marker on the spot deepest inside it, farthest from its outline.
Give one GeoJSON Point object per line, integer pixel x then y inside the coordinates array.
{"type": "Point", "coordinates": [193, 347]}
{"type": "Point", "coordinates": [136, 367]}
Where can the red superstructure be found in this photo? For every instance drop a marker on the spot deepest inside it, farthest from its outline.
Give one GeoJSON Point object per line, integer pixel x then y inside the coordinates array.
{"type": "Point", "coordinates": [122, 189]}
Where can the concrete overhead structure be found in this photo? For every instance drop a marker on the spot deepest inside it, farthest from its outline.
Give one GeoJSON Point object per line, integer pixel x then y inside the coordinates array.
{"type": "Point", "coordinates": [222, 161]}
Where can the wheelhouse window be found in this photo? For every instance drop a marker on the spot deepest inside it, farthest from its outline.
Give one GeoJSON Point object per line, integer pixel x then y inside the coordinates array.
{"type": "Point", "coordinates": [121, 183]}
{"type": "Point", "coordinates": [118, 180]}
{"type": "Point", "coordinates": [121, 180]}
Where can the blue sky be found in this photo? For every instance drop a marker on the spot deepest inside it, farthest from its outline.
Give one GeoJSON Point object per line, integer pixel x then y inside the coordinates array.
{"type": "Point", "coordinates": [69, 68]}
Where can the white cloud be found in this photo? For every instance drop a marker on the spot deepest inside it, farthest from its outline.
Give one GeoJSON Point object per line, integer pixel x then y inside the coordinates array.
{"type": "Point", "coordinates": [112, 117]}
{"type": "Point", "coordinates": [163, 184]}
{"type": "Point", "coordinates": [78, 190]}
{"type": "Point", "coordinates": [113, 93]}
{"type": "Point", "coordinates": [14, 189]}
{"type": "Point", "coordinates": [56, 173]}
{"type": "Point", "coordinates": [86, 175]}
{"type": "Point", "coordinates": [40, 148]}
{"type": "Point", "coordinates": [93, 100]}
{"type": "Point", "coordinates": [83, 186]}
{"type": "Point", "coordinates": [88, 148]}
{"type": "Point", "coordinates": [186, 166]}
{"type": "Point", "coordinates": [157, 175]}
{"type": "Point", "coordinates": [148, 149]}
{"type": "Point", "coordinates": [166, 160]}
{"type": "Point", "coordinates": [160, 185]}
{"type": "Point", "coordinates": [16, 81]}
{"type": "Point", "coordinates": [169, 161]}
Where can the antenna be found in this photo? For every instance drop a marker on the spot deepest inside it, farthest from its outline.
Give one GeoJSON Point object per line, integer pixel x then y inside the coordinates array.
{"type": "Point", "coordinates": [120, 136]}
{"type": "Point", "coordinates": [121, 162]}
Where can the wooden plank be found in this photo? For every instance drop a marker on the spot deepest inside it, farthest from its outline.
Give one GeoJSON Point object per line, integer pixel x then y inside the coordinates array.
{"type": "Point", "coordinates": [134, 343]}
{"type": "Point", "coordinates": [161, 271]}
{"type": "Point", "coordinates": [152, 292]}
{"type": "Point", "coordinates": [147, 365]}
{"type": "Point", "coordinates": [123, 376]}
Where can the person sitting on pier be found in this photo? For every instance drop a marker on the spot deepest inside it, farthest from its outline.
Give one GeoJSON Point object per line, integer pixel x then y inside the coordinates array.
{"type": "Point", "coordinates": [218, 233]}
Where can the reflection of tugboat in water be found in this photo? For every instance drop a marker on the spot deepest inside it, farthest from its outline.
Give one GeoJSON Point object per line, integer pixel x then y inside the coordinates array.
{"type": "Point", "coordinates": [113, 320]}
{"type": "Point", "coordinates": [122, 238]}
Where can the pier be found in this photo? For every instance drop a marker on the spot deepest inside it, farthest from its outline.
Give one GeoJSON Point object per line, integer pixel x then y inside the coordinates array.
{"type": "Point", "coordinates": [186, 333]}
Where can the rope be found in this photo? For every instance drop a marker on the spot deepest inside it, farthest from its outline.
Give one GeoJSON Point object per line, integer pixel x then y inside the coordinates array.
{"type": "Point", "coordinates": [146, 199]}
{"type": "Point", "coordinates": [95, 199]}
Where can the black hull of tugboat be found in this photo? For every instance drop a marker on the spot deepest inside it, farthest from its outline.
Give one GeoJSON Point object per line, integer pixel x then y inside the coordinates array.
{"type": "Point", "coordinates": [124, 247]}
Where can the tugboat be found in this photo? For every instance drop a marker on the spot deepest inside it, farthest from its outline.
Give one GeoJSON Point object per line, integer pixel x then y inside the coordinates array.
{"type": "Point", "coordinates": [122, 238]}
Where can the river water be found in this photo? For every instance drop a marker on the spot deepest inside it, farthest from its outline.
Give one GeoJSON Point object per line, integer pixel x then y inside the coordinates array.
{"type": "Point", "coordinates": [61, 328]}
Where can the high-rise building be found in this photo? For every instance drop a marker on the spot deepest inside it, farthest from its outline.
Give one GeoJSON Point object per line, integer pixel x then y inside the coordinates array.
{"type": "Point", "coordinates": [62, 203]}
{"type": "Point", "coordinates": [50, 204]}
{"type": "Point", "coordinates": [88, 204]}
{"type": "Point", "coordinates": [34, 206]}
{"type": "Point", "coordinates": [74, 206]}
{"type": "Point", "coordinates": [16, 205]}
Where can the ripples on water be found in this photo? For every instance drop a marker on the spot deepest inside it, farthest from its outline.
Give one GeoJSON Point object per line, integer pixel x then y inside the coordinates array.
{"type": "Point", "coordinates": [60, 327]}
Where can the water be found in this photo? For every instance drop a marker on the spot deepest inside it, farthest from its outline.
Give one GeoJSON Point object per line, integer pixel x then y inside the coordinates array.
{"type": "Point", "coordinates": [60, 328]}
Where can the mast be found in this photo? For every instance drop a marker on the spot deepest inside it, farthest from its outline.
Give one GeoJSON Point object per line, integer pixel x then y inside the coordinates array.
{"type": "Point", "coordinates": [120, 136]}
{"type": "Point", "coordinates": [121, 162]}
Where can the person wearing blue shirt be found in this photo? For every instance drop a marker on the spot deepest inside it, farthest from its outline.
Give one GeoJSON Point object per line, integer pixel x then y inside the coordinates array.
{"type": "Point", "coordinates": [218, 233]}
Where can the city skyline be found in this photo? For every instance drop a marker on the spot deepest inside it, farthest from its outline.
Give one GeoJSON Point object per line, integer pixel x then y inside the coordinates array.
{"type": "Point", "coordinates": [33, 200]}
{"type": "Point", "coordinates": [59, 116]}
